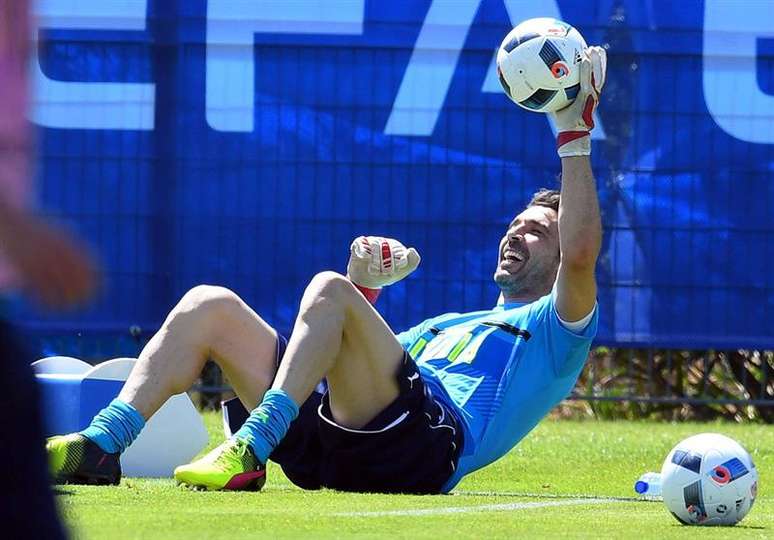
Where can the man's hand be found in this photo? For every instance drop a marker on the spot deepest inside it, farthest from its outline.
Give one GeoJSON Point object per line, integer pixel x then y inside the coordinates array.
{"type": "Point", "coordinates": [53, 267]}
{"type": "Point", "coordinates": [375, 261]}
{"type": "Point", "coordinates": [574, 122]}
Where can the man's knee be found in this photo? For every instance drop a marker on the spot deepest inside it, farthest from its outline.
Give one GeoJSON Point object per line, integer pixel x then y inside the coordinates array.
{"type": "Point", "coordinates": [331, 285]}
{"type": "Point", "coordinates": [204, 305]}
{"type": "Point", "coordinates": [327, 290]}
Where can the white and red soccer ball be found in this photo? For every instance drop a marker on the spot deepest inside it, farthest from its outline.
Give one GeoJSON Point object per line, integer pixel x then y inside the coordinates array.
{"type": "Point", "coordinates": [538, 64]}
{"type": "Point", "coordinates": [709, 479]}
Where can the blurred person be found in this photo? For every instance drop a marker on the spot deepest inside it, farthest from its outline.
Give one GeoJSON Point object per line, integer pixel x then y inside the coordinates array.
{"type": "Point", "coordinates": [412, 412]}
{"type": "Point", "coordinates": [45, 263]}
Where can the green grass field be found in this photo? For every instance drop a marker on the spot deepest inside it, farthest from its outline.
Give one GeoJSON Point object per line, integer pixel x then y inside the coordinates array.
{"type": "Point", "coordinates": [568, 479]}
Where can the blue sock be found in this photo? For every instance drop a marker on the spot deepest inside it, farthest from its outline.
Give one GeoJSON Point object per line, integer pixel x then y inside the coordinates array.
{"type": "Point", "coordinates": [268, 423]}
{"type": "Point", "coordinates": [115, 427]}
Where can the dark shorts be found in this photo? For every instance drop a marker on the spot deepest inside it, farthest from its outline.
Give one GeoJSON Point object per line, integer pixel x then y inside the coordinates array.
{"type": "Point", "coordinates": [412, 446]}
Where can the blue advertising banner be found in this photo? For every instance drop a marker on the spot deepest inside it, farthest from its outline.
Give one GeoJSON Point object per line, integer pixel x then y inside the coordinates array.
{"type": "Point", "coordinates": [246, 143]}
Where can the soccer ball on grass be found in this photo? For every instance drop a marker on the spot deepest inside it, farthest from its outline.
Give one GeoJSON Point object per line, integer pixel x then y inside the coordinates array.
{"type": "Point", "coordinates": [538, 64]}
{"type": "Point", "coordinates": [709, 479]}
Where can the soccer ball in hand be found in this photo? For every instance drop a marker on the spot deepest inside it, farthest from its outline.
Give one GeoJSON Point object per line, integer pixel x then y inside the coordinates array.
{"type": "Point", "coordinates": [538, 64]}
{"type": "Point", "coordinates": [709, 479]}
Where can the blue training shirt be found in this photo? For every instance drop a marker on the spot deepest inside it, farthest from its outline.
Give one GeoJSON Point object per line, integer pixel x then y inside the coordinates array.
{"type": "Point", "coordinates": [501, 370]}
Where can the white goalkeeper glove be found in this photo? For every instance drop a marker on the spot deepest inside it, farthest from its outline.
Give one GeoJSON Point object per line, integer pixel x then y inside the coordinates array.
{"type": "Point", "coordinates": [375, 262]}
{"type": "Point", "coordinates": [574, 122]}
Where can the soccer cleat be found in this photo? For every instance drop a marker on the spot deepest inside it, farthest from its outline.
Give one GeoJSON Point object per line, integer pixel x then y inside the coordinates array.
{"type": "Point", "coordinates": [75, 459]}
{"type": "Point", "coordinates": [230, 466]}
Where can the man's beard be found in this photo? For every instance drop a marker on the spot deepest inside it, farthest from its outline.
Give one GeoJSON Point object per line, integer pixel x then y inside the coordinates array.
{"type": "Point", "coordinates": [531, 282]}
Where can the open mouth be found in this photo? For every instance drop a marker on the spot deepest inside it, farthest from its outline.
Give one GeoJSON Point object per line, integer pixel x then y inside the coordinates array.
{"type": "Point", "coordinates": [512, 255]}
{"type": "Point", "coordinates": [512, 259]}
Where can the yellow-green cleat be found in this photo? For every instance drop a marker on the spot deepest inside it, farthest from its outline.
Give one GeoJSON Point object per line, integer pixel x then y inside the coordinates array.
{"type": "Point", "coordinates": [75, 459]}
{"type": "Point", "coordinates": [230, 466]}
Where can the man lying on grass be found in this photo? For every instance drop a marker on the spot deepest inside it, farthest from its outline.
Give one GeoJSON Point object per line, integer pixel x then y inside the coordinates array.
{"type": "Point", "coordinates": [410, 413]}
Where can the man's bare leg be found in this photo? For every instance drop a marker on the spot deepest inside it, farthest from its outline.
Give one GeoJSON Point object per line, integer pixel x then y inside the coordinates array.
{"type": "Point", "coordinates": [208, 322]}
{"type": "Point", "coordinates": [340, 336]}
{"type": "Point", "coordinates": [337, 336]}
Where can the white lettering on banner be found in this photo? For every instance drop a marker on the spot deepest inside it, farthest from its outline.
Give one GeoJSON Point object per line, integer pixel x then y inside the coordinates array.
{"type": "Point", "coordinates": [734, 98]}
{"type": "Point", "coordinates": [90, 105]}
{"type": "Point", "coordinates": [231, 25]}
{"type": "Point", "coordinates": [431, 67]}
{"type": "Point", "coordinates": [731, 90]}
{"type": "Point", "coordinates": [429, 73]}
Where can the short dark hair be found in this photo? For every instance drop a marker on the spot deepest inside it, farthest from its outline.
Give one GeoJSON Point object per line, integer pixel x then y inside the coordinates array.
{"type": "Point", "coordinates": [545, 197]}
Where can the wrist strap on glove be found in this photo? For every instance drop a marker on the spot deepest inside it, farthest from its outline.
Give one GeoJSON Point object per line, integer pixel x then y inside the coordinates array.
{"type": "Point", "coordinates": [573, 143]}
{"type": "Point", "coordinates": [370, 294]}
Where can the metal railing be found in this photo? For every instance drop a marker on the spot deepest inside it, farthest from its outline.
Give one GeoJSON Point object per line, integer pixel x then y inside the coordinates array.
{"type": "Point", "coordinates": [699, 384]}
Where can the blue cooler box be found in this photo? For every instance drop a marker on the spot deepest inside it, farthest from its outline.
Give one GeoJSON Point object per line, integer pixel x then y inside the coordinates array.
{"type": "Point", "coordinates": [69, 401]}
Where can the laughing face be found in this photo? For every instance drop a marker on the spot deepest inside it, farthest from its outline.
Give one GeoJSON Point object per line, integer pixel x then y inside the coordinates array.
{"type": "Point", "coordinates": [528, 258]}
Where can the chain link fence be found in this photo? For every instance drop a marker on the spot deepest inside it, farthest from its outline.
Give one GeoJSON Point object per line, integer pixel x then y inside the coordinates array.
{"type": "Point", "coordinates": [629, 383]}
{"type": "Point", "coordinates": [637, 383]}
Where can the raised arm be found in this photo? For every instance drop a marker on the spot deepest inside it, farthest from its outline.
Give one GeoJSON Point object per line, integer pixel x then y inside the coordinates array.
{"type": "Point", "coordinates": [580, 229]}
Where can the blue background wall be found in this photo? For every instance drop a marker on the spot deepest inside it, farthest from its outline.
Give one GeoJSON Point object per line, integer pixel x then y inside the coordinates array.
{"type": "Point", "coordinates": [173, 201]}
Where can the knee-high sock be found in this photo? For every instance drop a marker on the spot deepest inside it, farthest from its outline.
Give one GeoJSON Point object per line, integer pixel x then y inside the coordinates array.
{"type": "Point", "coordinates": [268, 423]}
{"type": "Point", "coordinates": [115, 427]}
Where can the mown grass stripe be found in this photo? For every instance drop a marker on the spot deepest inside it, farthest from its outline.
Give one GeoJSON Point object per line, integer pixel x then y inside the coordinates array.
{"type": "Point", "coordinates": [524, 495]}
{"type": "Point", "coordinates": [476, 508]}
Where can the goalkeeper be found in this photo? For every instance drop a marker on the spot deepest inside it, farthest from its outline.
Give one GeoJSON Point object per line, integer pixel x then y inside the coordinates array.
{"type": "Point", "coordinates": [412, 412]}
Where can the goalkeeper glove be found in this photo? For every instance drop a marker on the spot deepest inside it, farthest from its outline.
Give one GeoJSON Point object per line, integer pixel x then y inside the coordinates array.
{"type": "Point", "coordinates": [574, 122]}
{"type": "Point", "coordinates": [375, 262]}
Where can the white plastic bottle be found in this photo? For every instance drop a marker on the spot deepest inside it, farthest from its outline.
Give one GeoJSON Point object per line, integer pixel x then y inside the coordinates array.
{"type": "Point", "coordinates": [649, 485]}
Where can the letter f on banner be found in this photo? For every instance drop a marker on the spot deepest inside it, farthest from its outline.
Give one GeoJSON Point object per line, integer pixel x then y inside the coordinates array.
{"type": "Point", "coordinates": [431, 68]}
